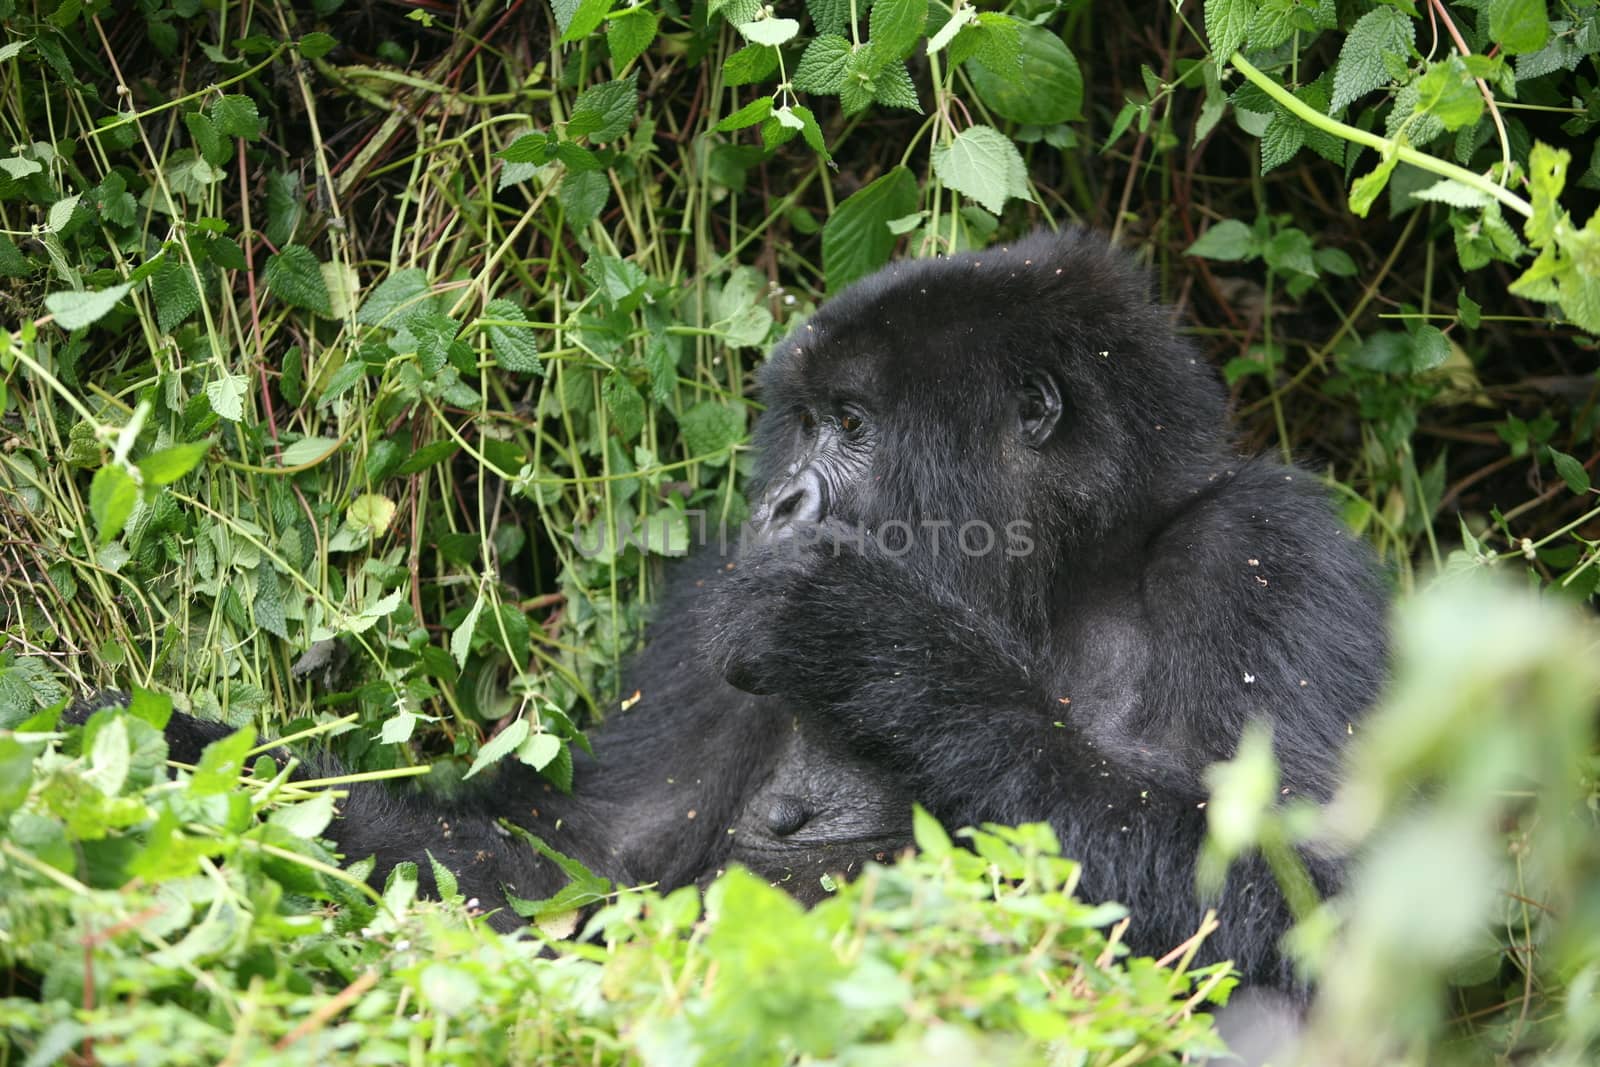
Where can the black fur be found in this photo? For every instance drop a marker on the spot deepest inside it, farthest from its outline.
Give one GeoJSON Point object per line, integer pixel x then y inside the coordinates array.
{"type": "Point", "coordinates": [1169, 592]}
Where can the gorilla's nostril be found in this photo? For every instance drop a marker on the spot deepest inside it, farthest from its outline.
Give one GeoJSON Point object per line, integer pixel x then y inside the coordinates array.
{"type": "Point", "coordinates": [786, 816]}
{"type": "Point", "coordinates": [798, 502]}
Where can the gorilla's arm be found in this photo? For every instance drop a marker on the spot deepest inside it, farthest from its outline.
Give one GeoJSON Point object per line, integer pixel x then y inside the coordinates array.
{"type": "Point", "coordinates": [1154, 662]}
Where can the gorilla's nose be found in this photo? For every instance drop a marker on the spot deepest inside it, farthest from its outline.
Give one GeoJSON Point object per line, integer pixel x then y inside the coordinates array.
{"type": "Point", "coordinates": [786, 816]}
{"type": "Point", "coordinates": [797, 501]}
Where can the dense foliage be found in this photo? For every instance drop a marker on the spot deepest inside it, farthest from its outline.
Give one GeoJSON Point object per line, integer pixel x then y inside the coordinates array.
{"type": "Point", "coordinates": [362, 362]}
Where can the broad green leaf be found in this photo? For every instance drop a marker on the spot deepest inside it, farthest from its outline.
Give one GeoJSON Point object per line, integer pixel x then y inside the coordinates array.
{"type": "Point", "coordinates": [1381, 32]}
{"type": "Point", "coordinates": [583, 195]}
{"type": "Point", "coordinates": [538, 750]}
{"type": "Point", "coordinates": [1047, 90]}
{"type": "Point", "coordinates": [235, 115]}
{"type": "Point", "coordinates": [294, 275]}
{"type": "Point", "coordinates": [624, 404]}
{"type": "Point", "coordinates": [499, 746]}
{"type": "Point", "coordinates": [711, 427]}
{"type": "Point", "coordinates": [753, 63]}
{"type": "Point", "coordinates": [586, 18]}
{"type": "Point", "coordinates": [221, 763]}
{"type": "Point", "coordinates": [1448, 93]}
{"type": "Point", "coordinates": [895, 25]}
{"type": "Point", "coordinates": [112, 495]}
{"type": "Point", "coordinates": [1571, 471]}
{"type": "Point", "coordinates": [757, 110]}
{"type": "Point", "coordinates": [981, 162]}
{"type": "Point", "coordinates": [175, 294]}
{"type": "Point", "coordinates": [308, 450]}
{"type": "Point", "coordinates": [1229, 240]}
{"type": "Point", "coordinates": [1547, 177]}
{"type": "Point", "coordinates": [856, 240]}
{"type": "Point", "coordinates": [822, 66]}
{"type": "Point", "coordinates": [1519, 26]}
{"type": "Point", "coordinates": [1456, 194]}
{"type": "Point", "coordinates": [315, 45]}
{"type": "Point", "coordinates": [811, 131]}
{"type": "Point", "coordinates": [396, 295]}
{"type": "Point", "coordinates": [629, 34]}
{"type": "Point", "coordinates": [461, 638]}
{"type": "Point", "coordinates": [170, 464]}
{"type": "Point", "coordinates": [514, 346]}
{"type": "Point", "coordinates": [534, 148]}
{"type": "Point", "coordinates": [953, 25]}
{"type": "Point", "coordinates": [226, 395]}
{"type": "Point", "coordinates": [892, 87]}
{"type": "Point", "coordinates": [604, 112]}
{"type": "Point", "coordinates": [1281, 140]}
{"type": "Point", "coordinates": [74, 311]}
{"type": "Point", "coordinates": [306, 819]}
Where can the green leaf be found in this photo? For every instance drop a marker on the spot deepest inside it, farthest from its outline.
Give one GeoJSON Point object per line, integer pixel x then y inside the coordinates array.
{"type": "Point", "coordinates": [811, 131]}
{"type": "Point", "coordinates": [604, 112]}
{"type": "Point", "coordinates": [75, 310]}
{"type": "Point", "coordinates": [513, 346]}
{"type": "Point", "coordinates": [981, 162]}
{"type": "Point", "coordinates": [539, 750]}
{"type": "Point", "coordinates": [856, 240]}
{"type": "Point", "coordinates": [443, 879]}
{"type": "Point", "coordinates": [822, 66]}
{"type": "Point", "coordinates": [1571, 471]}
{"type": "Point", "coordinates": [752, 63]}
{"type": "Point", "coordinates": [295, 276]}
{"type": "Point", "coordinates": [112, 495]}
{"type": "Point", "coordinates": [461, 637]}
{"type": "Point", "coordinates": [170, 464]}
{"type": "Point", "coordinates": [1229, 240]}
{"type": "Point", "coordinates": [1047, 90]}
{"type": "Point", "coordinates": [585, 19]}
{"type": "Point", "coordinates": [175, 294]}
{"type": "Point", "coordinates": [624, 404]}
{"type": "Point", "coordinates": [536, 148]}
{"type": "Point", "coordinates": [629, 34]}
{"type": "Point", "coordinates": [892, 87]}
{"type": "Point", "coordinates": [499, 746]}
{"type": "Point", "coordinates": [306, 819]}
{"type": "Point", "coordinates": [1467, 310]}
{"type": "Point", "coordinates": [315, 45]}
{"type": "Point", "coordinates": [393, 298]}
{"type": "Point", "coordinates": [1456, 194]}
{"type": "Point", "coordinates": [1429, 349]}
{"type": "Point", "coordinates": [1547, 177]}
{"type": "Point", "coordinates": [1365, 189]}
{"type": "Point", "coordinates": [207, 140]}
{"type": "Point", "coordinates": [958, 21]}
{"type": "Point", "coordinates": [711, 427]}
{"type": "Point", "coordinates": [757, 110]}
{"type": "Point", "coordinates": [583, 195]}
{"type": "Point", "coordinates": [1519, 26]}
{"type": "Point", "coordinates": [226, 395]}
{"type": "Point", "coordinates": [1227, 21]}
{"type": "Point", "coordinates": [1281, 140]}
{"type": "Point", "coordinates": [236, 116]}
{"type": "Point", "coordinates": [1448, 93]}
{"type": "Point", "coordinates": [895, 26]}
{"type": "Point", "coordinates": [1381, 32]}
{"type": "Point", "coordinates": [221, 764]}
{"type": "Point", "coordinates": [769, 31]}
{"type": "Point", "coordinates": [308, 450]}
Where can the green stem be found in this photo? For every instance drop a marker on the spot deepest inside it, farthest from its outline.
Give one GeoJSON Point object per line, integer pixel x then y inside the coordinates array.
{"type": "Point", "coordinates": [1306, 113]}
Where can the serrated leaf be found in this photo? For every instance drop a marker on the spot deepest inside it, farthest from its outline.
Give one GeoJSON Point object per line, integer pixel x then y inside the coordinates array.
{"type": "Point", "coordinates": [822, 66]}
{"type": "Point", "coordinates": [1227, 22]}
{"type": "Point", "coordinates": [856, 240]}
{"type": "Point", "coordinates": [1228, 241]}
{"type": "Point", "coordinates": [175, 294]}
{"type": "Point", "coordinates": [895, 25]}
{"type": "Point", "coordinates": [757, 110]}
{"type": "Point", "coordinates": [1449, 191]}
{"type": "Point", "coordinates": [603, 112]}
{"type": "Point", "coordinates": [583, 195]}
{"type": "Point", "coordinates": [207, 138]}
{"type": "Point", "coordinates": [1281, 140]}
{"type": "Point", "coordinates": [535, 148]}
{"type": "Point", "coordinates": [1571, 471]}
{"type": "Point", "coordinates": [444, 880]}
{"type": "Point", "coordinates": [75, 310]}
{"type": "Point", "coordinates": [226, 395]}
{"type": "Point", "coordinates": [811, 131]}
{"type": "Point", "coordinates": [392, 298]}
{"type": "Point", "coordinates": [1448, 93]}
{"type": "Point", "coordinates": [750, 64]}
{"type": "Point", "coordinates": [892, 87]}
{"type": "Point", "coordinates": [1383, 31]}
{"type": "Point", "coordinates": [629, 34]}
{"type": "Point", "coordinates": [624, 404]}
{"type": "Point", "coordinates": [539, 750]}
{"type": "Point", "coordinates": [828, 16]}
{"type": "Point", "coordinates": [235, 115]}
{"type": "Point", "coordinates": [170, 464]}
{"type": "Point", "coordinates": [294, 276]}
{"type": "Point", "coordinates": [112, 495]}
{"type": "Point", "coordinates": [316, 44]}
{"type": "Point", "coordinates": [711, 427]}
{"type": "Point", "coordinates": [1046, 88]}
{"type": "Point", "coordinates": [499, 746]}
{"type": "Point", "coordinates": [267, 608]}
{"type": "Point", "coordinates": [953, 25]}
{"type": "Point", "coordinates": [461, 637]}
{"type": "Point", "coordinates": [982, 163]}
{"type": "Point", "coordinates": [514, 347]}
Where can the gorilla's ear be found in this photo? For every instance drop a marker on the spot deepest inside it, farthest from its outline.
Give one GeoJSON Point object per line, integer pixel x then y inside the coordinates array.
{"type": "Point", "coordinates": [1038, 408]}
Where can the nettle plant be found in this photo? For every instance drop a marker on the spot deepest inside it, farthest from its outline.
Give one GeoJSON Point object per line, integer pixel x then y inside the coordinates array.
{"type": "Point", "coordinates": [1439, 93]}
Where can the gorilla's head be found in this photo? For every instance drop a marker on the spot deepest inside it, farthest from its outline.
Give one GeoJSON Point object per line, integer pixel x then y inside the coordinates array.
{"type": "Point", "coordinates": [1033, 384]}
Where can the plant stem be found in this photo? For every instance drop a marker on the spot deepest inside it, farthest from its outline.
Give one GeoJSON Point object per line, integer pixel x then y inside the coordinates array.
{"type": "Point", "coordinates": [1422, 160]}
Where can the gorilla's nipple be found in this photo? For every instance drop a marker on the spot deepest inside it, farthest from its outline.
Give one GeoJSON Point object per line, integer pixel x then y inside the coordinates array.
{"type": "Point", "coordinates": [786, 816]}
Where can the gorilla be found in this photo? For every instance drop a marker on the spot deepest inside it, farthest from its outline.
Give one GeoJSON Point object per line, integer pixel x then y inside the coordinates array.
{"type": "Point", "coordinates": [1004, 562]}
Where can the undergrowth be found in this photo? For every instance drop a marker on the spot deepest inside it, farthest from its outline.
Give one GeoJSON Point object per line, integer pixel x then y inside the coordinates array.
{"type": "Point", "coordinates": [364, 363]}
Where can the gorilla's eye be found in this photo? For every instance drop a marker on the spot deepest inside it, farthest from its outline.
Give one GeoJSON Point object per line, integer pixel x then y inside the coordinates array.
{"type": "Point", "coordinates": [808, 419]}
{"type": "Point", "coordinates": [850, 423]}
